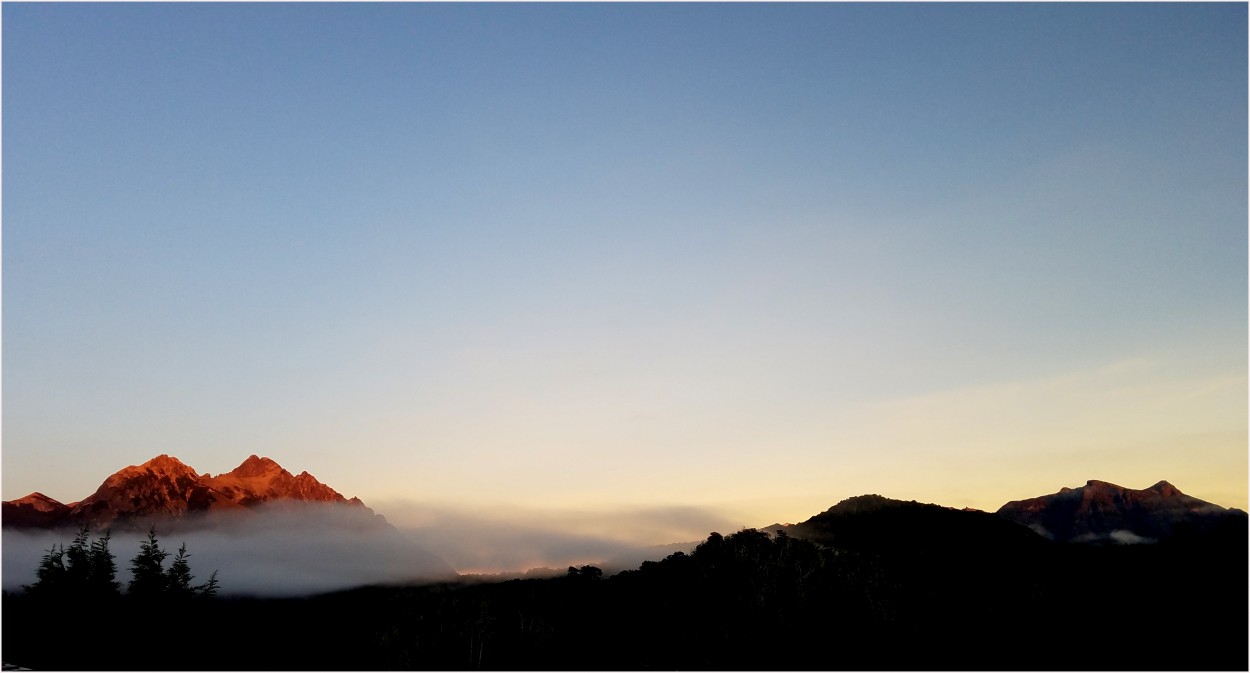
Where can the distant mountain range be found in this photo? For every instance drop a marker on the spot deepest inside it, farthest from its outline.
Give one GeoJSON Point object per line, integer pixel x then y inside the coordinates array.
{"type": "Point", "coordinates": [1104, 512]}
{"type": "Point", "coordinates": [873, 522]}
{"type": "Point", "coordinates": [872, 583]}
{"type": "Point", "coordinates": [167, 489]}
{"type": "Point", "coordinates": [269, 532]}
{"type": "Point", "coordinates": [1098, 512]}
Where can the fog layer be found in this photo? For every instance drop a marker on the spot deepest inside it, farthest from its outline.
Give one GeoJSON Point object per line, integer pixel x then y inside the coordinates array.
{"type": "Point", "coordinates": [295, 550]}
{"type": "Point", "coordinates": [272, 551]}
{"type": "Point", "coordinates": [514, 539]}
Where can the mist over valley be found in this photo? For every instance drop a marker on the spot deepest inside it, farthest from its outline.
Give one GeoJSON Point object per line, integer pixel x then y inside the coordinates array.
{"type": "Point", "coordinates": [625, 336]}
{"type": "Point", "coordinates": [432, 586]}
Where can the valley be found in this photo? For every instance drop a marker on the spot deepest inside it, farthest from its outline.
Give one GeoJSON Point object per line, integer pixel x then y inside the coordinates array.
{"type": "Point", "coordinates": [873, 583]}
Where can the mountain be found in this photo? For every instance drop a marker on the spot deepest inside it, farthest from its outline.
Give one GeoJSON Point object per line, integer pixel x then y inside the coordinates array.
{"type": "Point", "coordinates": [1101, 511]}
{"type": "Point", "coordinates": [267, 531]}
{"type": "Point", "coordinates": [260, 480]}
{"type": "Point", "coordinates": [164, 488]}
{"type": "Point", "coordinates": [879, 524]}
{"type": "Point", "coordinates": [34, 511]}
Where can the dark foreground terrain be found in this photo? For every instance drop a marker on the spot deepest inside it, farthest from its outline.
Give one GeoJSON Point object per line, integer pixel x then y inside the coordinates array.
{"type": "Point", "coordinates": [745, 601]}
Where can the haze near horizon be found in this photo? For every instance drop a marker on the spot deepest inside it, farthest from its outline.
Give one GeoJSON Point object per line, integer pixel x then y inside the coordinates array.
{"type": "Point", "coordinates": [741, 260]}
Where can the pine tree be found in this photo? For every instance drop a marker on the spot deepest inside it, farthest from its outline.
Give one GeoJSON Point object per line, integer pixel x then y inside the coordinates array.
{"type": "Point", "coordinates": [103, 575]}
{"type": "Point", "coordinates": [88, 569]}
{"type": "Point", "coordinates": [50, 576]}
{"type": "Point", "coordinates": [209, 588]}
{"type": "Point", "coordinates": [85, 569]}
{"type": "Point", "coordinates": [178, 577]}
{"type": "Point", "coordinates": [78, 562]}
{"type": "Point", "coordinates": [148, 574]}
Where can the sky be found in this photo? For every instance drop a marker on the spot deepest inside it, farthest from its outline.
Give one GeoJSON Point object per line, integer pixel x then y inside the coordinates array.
{"type": "Point", "coordinates": [577, 261]}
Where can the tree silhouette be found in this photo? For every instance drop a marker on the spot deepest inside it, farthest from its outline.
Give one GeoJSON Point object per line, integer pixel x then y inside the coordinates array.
{"type": "Point", "coordinates": [178, 577]}
{"type": "Point", "coordinates": [85, 569]}
{"type": "Point", "coordinates": [78, 561]}
{"type": "Point", "coordinates": [149, 579]}
{"type": "Point", "coordinates": [586, 572]}
{"type": "Point", "coordinates": [102, 578]}
{"type": "Point", "coordinates": [50, 576]}
{"type": "Point", "coordinates": [209, 588]}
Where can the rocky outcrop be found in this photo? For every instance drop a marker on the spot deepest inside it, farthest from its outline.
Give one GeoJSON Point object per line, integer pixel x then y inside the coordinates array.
{"type": "Point", "coordinates": [1101, 511]}
{"type": "Point", "coordinates": [165, 488]}
{"type": "Point", "coordinates": [34, 511]}
{"type": "Point", "coordinates": [259, 480]}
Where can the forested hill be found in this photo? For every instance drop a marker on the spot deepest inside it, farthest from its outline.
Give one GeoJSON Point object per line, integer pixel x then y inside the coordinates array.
{"type": "Point", "coordinates": [744, 601]}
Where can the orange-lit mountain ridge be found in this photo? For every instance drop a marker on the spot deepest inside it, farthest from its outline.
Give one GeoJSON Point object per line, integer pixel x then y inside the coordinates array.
{"type": "Point", "coordinates": [1101, 511]}
{"type": "Point", "coordinates": [164, 488]}
{"type": "Point", "coordinates": [1097, 513]}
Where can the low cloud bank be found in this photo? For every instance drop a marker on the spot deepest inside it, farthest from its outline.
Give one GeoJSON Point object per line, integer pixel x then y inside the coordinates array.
{"type": "Point", "coordinates": [270, 552]}
{"type": "Point", "coordinates": [512, 539]}
{"type": "Point", "coordinates": [305, 549]}
{"type": "Point", "coordinates": [1118, 536]}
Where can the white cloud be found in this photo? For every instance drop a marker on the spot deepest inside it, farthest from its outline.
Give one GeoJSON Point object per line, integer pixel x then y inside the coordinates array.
{"type": "Point", "coordinates": [511, 538]}
{"type": "Point", "coordinates": [273, 551]}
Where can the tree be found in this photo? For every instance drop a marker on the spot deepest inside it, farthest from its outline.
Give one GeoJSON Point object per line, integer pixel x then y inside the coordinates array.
{"type": "Point", "coordinates": [586, 573]}
{"type": "Point", "coordinates": [152, 579]}
{"type": "Point", "coordinates": [209, 588]}
{"type": "Point", "coordinates": [149, 578]}
{"type": "Point", "coordinates": [50, 576]}
{"type": "Point", "coordinates": [78, 562]}
{"type": "Point", "coordinates": [88, 569]}
{"type": "Point", "coordinates": [102, 577]}
{"type": "Point", "coordinates": [178, 577]}
{"type": "Point", "coordinates": [85, 569]}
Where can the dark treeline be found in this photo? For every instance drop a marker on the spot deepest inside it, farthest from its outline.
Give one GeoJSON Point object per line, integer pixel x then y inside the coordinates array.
{"type": "Point", "coordinates": [87, 571]}
{"type": "Point", "coordinates": [743, 601]}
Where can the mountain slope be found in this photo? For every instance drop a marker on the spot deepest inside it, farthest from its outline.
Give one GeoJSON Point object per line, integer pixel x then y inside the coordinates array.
{"type": "Point", "coordinates": [873, 522]}
{"type": "Point", "coordinates": [164, 488]}
{"type": "Point", "coordinates": [259, 480]}
{"type": "Point", "coordinates": [1101, 511]}
{"type": "Point", "coordinates": [34, 511]}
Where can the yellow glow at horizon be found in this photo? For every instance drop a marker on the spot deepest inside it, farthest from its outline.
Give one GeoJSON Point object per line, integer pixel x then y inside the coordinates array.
{"type": "Point", "coordinates": [1128, 422]}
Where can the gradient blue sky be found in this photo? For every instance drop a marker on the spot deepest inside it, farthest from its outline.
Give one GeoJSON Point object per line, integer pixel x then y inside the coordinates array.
{"type": "Point", "coordinates": [751, 259]}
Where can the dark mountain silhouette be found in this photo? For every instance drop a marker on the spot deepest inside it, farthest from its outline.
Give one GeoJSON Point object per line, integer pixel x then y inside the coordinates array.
{"type": "Point", "coordinates": [872, 583]}
{"type": "Point", "coordinates": [165, 489]}
{"type": "Point", "coordinates": [744, 601]}
{"type": "Point", "coordinates": [874, 522]}
{"type": "Point", "coordinates": [1099, 512]}
{"type": "Point", "coordinates": [1104, 512]}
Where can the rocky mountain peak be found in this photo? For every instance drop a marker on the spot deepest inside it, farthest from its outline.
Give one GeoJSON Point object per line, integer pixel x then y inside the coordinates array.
{"type": "Point", "coordinates": [163, 464]}
{"type": "Point", "coordinates": [165, 487]}
{"type": "Point", "coordinates": [256, 466]}
{"type": "Point", "coordinates": [1102, 511]}
{"type": "Point", "coordinates": [39, 502]}
{"type": "Point", "coordinates": [165, 460]}
{"type": "Point", "coordinates": [33, 511]}
{"type": "Point", "coordinates": [1165, 489]}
